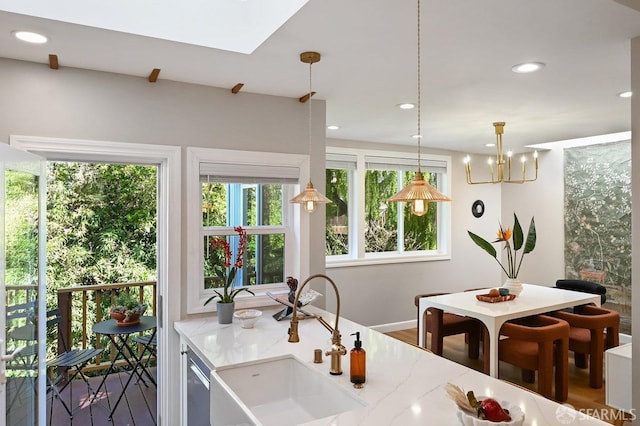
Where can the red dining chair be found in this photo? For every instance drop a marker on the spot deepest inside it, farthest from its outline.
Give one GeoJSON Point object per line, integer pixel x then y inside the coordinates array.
{"type": "Point", "coordinates": [440, 324]}
{"type": "Point", "coordinates": [593, 330]}
{"type": "Point", "coordinates": [539, 343]}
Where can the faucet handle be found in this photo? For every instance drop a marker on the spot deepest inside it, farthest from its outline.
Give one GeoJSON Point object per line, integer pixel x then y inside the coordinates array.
{"type": "Point", "coordinates": [293, 331]}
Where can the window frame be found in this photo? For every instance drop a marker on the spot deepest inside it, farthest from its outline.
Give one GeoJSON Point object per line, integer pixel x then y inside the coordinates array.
{"type": "Point", "coordinates": [356, 211]}
{"type": "Point", "coordinates": [294, 224]}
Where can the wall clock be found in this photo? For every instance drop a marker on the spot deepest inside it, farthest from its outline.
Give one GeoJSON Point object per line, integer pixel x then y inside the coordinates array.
{"type": "Point", "coordinates": [477, 208]}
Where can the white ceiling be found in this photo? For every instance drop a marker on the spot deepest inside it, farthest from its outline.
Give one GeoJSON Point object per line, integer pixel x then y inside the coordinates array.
{"type": "Point", "coordinates": [368, 65]}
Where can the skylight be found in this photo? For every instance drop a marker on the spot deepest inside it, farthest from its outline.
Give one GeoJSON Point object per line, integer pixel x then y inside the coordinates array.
{"type": "Point", "coordinates": [234, 25]}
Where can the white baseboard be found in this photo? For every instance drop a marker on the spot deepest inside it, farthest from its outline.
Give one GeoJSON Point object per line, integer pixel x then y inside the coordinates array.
{"type": "Point", "coordinates": [394, 326]}
{"type": "Point", "coordinates": [624, 338]}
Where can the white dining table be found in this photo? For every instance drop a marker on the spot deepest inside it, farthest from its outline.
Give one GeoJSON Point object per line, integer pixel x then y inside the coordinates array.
{"type": "Point", "coordinates": [533, 300]}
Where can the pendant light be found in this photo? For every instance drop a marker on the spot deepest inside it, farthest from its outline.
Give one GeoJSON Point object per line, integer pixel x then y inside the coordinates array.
{"type": "Point", "coordinates": [419, 193]}
{"type": "Point", "coordinates": [310, 196]}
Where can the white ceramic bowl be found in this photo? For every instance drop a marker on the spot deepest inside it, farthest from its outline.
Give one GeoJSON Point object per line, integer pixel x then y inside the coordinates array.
{"type": "Point", "coordinates": [247, 317]}
{"type": "Point", "coordinates": [517, 416]}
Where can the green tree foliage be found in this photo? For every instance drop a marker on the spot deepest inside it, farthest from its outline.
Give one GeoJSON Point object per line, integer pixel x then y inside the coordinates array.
{"type": "Point", "coordinates": [101, 224]}
{"type": "Point", "coordinates": [381, 216]}
{"type": "Point", "coordinates": [21, 216]}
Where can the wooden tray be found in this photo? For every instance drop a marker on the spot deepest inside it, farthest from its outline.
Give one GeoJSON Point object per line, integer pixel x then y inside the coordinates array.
{"type": "Point", "coordinates": [494, 299]}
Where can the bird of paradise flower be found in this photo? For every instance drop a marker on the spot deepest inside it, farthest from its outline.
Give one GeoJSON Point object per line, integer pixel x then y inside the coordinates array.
{"type": "Point", "coordinates": [517, 242]}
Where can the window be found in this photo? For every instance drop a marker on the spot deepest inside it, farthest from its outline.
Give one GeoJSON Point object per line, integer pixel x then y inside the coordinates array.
{"type": "Point", "coordinates": [362, 225]}
{"type": "Point", "coordinates": [238, 188]}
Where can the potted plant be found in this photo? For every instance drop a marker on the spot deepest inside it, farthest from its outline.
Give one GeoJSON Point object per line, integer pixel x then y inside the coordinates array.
{"type": "Point", "coordinates": [127, 310]}
{"type": "Point", "coordinates": [227, 275]}
{"type": "Point", "coordinates": [517, 242]}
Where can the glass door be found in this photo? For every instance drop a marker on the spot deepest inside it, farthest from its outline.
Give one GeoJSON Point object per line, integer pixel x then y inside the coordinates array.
{"type": "Point", "coordinates": [22, 283]}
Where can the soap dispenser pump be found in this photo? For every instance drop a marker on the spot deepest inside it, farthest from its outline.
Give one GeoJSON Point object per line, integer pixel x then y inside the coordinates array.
{"type": "Point", "coordinates": [358, 362]}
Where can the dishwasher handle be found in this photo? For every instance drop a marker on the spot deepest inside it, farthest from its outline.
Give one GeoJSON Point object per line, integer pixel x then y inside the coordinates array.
{"type": "Point", "coordinates": [199, 374]}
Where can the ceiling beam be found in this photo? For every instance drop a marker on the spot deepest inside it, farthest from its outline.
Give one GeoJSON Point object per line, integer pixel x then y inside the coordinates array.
{"type": "Point", "coordinates": [53, 62]}
{"type": "Point", "coordinates": [237, 88]}
{"type": "Point", "coordinates": [153, 77]}
{"type": "Point", "coordinates": [306, 97]}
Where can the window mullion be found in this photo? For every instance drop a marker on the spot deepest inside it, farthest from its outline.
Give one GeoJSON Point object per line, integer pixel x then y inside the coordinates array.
{"type": "Point", "coordinates": [358, 196]}
{"type": "Point", "coordinates": [400, 213]}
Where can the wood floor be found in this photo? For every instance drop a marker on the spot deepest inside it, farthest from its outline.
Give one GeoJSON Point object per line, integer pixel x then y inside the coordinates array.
{"type": "Point", "coordinates": [581, 395]}
{"type": "Point", "coordinates": [137, 407]}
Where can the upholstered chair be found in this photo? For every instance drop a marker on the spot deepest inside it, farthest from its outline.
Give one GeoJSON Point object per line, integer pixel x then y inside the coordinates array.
{"type": "Point", "coordinates": [441, 324]}
{"type": "Point", "coordinates": [593, 330]}
{"type": "Point", "coordinates": [538, 343]}
{"type": "Point", "coordinates": [584, 287]}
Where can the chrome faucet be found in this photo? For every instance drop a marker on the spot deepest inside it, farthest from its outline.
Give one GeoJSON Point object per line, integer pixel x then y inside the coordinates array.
{"type": "Point", "coordinates": [337, 349]}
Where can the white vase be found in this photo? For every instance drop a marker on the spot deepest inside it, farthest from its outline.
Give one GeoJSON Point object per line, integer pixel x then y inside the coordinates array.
{"type": "Point", "coordinates": [514, 285]}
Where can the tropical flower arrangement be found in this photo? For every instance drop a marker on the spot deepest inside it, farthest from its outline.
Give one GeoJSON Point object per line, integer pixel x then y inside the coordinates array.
{"type": "Point", "coordinates": [228, 274]}
{"type": "Point", "coordinates": [517, 242]}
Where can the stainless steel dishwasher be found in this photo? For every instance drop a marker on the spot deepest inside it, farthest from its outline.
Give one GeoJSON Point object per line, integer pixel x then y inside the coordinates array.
{"type": "Point", "coordinates": [197, 390]}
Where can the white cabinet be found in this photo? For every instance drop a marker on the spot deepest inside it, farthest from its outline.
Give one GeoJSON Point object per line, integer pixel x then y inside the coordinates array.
{"type": "Point", "coordinates": [618, 377]}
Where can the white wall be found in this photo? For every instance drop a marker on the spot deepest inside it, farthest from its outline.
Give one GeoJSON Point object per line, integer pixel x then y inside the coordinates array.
{"type": "Point", "coordinates": [543, 200]}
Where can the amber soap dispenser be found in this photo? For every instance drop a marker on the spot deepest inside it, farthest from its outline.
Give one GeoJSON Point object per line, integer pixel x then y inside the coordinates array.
{"type": "Point", "coordinates": [358, 362]}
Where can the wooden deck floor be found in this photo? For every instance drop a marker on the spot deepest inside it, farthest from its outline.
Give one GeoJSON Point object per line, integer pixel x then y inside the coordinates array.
{"type": "Point", "coordinates": [137, 407]}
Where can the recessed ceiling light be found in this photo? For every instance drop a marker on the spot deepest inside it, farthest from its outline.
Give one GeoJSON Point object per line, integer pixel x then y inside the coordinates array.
{"type": "Point", "coordinates": [333, 127]}
{"type": "Point", "coordinates": [416, 136]}
{"type": "Point", "coordinates": [625, 94]}
{"type": "Point", "coordinates": [490, 144]}
{"type": "Point", "coordinates": [527, 67]}
{"type": "Point", "coordinates": [30, 37]}
{"type": "Point", "coordinates": [407, 106]}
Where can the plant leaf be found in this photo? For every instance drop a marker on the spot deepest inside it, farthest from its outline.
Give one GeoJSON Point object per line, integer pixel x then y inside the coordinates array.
{"type": "Point", "coordinates": [531, 238]}
{"type": "Point", "coordinates": [235, 292]}
{"type": "Point", "coordinates": [484, 244]}
{"type": "Point", "coordinates": [232, 275]}
{"type": "Point", "coordinates": [518, 237]}
{"type": "Point", "coordinates": [214, 296]}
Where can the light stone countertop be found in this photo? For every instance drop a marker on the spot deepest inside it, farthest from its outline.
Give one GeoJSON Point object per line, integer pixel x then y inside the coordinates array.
{"type": "Point", "coordinates": [404, 384]}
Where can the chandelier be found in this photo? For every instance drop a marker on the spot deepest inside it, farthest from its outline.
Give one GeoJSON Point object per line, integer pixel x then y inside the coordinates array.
{"type": "Point", "coordinates": [498, 172]}
{"type": "Point", "coordinates": [310, 196]}
{"type": "Point", "coordinates": [418, 192]}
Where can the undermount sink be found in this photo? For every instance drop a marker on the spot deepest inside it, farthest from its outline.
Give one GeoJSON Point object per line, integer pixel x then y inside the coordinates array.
{"type": "Point", "coordinates": [277, 391]}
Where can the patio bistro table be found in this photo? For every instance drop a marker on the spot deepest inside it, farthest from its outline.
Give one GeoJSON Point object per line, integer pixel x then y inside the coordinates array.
{"type": "Point", "coordinates": [119, 336]}
{"type": "Point", "coordinates": [533, 300]}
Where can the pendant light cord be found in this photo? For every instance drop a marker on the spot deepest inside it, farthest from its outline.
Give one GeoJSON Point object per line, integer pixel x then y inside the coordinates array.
{"type": "Point", "coordinates": [419, 91]}
{"type": "Point", "coordinates": [310, 86]}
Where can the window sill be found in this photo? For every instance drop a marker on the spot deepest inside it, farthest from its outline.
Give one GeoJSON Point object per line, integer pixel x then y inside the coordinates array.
{"type": "Point", "coordinates": [245, 301]}
{"type": "Point", "coordinates": [382, 259]}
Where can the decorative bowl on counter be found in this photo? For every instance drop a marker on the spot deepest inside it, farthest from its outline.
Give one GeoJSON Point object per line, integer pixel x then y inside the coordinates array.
{"type": "Point", "coordinates": [468, 419]}
{"type": "Point", "coordinates": [247, 317]}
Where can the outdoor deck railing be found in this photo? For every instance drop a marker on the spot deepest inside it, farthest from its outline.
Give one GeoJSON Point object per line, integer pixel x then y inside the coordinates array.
{"type": "Point", "coordinates": [93, 302]}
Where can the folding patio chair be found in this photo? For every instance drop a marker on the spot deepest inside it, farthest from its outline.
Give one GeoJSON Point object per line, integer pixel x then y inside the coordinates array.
{"type": "Point", "coordinates": [75, 359]}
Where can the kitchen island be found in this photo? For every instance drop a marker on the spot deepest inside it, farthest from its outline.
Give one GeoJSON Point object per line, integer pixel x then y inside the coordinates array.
{"type": "Point", "coordinates": [404, 384]}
